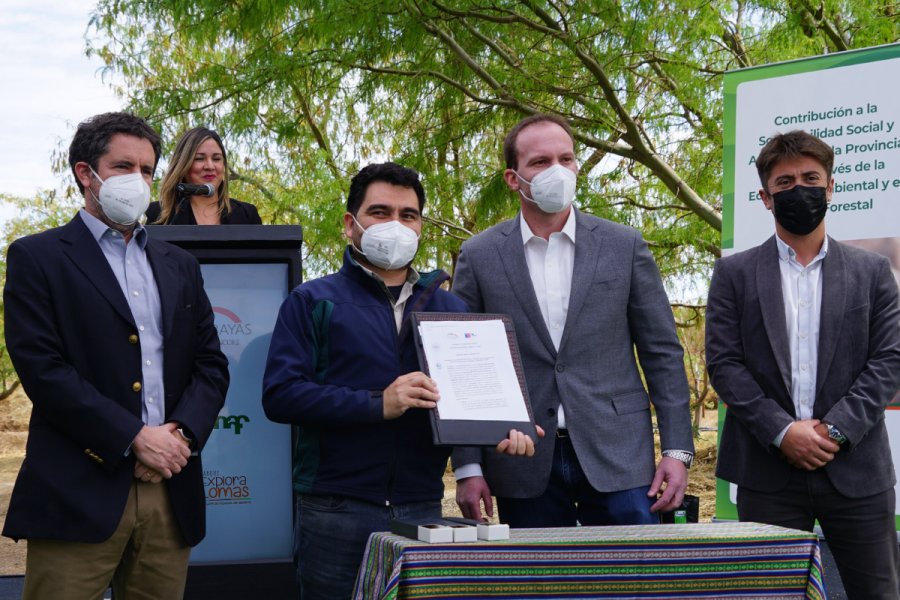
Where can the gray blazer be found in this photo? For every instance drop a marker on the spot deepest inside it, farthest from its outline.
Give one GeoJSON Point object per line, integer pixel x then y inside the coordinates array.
{"type": "Point", "coordinates": [617, 303]}
{"type": "Point", "coordinates": [858, 374]}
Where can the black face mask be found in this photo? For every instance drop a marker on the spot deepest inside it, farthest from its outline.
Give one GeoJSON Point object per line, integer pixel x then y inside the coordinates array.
{"type": "Point", "coordinates": [800, 209]}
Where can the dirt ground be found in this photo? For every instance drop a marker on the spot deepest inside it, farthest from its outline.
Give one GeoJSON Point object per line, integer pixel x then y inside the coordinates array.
{"type": "Point", "coordinates": [16, 410]}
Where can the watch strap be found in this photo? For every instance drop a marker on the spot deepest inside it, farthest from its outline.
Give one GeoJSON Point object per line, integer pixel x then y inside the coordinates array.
{"type": "Point", "coordinates": [686, 457]}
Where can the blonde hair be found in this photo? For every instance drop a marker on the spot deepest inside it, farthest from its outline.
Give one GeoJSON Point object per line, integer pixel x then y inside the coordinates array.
{"type": "Point", "coordinates": [179, 166]}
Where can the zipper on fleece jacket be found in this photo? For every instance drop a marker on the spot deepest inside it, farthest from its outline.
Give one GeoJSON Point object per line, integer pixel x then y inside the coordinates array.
{"type": "Point", "coordinates": [393, 473]}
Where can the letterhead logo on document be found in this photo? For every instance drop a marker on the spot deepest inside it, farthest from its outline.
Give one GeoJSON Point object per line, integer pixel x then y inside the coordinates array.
{"type": "Point", "coordinates": [232, 330]}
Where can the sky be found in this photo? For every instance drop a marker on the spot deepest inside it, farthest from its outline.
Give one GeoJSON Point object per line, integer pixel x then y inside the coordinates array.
{"type": "Point", "coordinates": [49, 86]}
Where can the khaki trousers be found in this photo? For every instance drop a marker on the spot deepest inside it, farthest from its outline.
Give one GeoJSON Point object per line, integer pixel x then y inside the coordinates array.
{"type": "Point", "coordinates": [146, 558]}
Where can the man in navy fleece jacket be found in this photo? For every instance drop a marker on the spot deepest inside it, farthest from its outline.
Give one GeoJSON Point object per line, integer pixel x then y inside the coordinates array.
{"type": "Point", "coordinates": [342, 367]}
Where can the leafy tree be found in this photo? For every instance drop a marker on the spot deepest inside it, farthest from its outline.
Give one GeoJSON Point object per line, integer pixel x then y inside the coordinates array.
{"type": "Point", "coordinates": [306, 92]}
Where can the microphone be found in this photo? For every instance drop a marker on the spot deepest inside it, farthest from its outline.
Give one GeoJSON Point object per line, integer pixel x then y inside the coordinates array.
{"type": "Point", "coordinates": [186, 189]}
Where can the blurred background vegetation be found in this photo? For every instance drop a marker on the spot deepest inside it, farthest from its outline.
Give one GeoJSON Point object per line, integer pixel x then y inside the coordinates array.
{"type": "Point", "coordinates": [304, 93]}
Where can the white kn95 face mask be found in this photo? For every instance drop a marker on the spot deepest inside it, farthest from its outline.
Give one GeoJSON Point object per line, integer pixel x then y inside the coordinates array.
{"type": "Point", "coordinates": [552, 189]}
{"type": "Point", "coordinates": [389, 246]}
{"type": "Point", "coordinates": [124, 198]}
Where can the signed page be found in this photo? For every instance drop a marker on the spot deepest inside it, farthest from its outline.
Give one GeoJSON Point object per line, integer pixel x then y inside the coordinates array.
{"type": "Point", "coordinates": [473, 368]}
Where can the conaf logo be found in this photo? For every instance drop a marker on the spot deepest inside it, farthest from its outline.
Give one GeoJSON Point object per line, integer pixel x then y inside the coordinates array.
{"type": "Point", "coordinates": [233, 422]}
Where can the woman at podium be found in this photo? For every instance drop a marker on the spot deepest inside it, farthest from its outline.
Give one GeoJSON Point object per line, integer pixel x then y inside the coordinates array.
{"type": "Point", "coordinates": [194, 190]}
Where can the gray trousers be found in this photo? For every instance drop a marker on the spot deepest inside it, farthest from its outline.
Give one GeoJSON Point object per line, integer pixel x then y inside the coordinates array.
{"type": "Point", "coordinates": [861, 532]}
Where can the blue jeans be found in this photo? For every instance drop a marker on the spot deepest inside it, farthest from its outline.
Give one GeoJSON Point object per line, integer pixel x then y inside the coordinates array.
{"type": "Point", "coordinates": [330, 535]}
{"type": "Point", "coordinates": [570, 499]}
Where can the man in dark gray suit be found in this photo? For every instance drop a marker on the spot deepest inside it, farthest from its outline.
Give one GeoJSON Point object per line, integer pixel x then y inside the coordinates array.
{"type": "Point", "coordinates": [582, 292]}
{"type": "Point", "coordinates": [803, 345]}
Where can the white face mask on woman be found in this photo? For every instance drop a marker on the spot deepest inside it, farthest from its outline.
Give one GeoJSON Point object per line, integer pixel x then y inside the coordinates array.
{"type": "Point", "coordinates": [124, 198]}
{"type": "Point", "coordinates": [388, 246]}
{"type": "Point", "coordinates": [552, 189]}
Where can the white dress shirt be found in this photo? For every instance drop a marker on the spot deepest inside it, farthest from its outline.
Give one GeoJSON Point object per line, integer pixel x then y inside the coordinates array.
{"type": "Point", "coordinates": [398, 305]}
{"type": "Point", "coordinates": [550, 264]}
{"type": "Point", "coordinates": [801, 288]}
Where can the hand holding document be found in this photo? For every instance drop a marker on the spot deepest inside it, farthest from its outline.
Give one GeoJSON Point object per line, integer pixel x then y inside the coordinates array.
{"type": "Point", "coordinates": [473, 367]}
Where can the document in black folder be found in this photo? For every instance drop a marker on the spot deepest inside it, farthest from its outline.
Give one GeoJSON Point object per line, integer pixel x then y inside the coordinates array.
{"type": "Point", "coordinates": [475, 360]}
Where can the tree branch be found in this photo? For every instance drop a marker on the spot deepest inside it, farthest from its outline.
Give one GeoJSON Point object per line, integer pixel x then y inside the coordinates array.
{"type": "Point", "coordinates": [648, 157]}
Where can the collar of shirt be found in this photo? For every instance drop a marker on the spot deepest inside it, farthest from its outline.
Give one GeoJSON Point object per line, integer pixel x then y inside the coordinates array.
{"type": "Point", "coordinates": [567, 230]}
{"type": "Point", "coordinates": [412, 277]}
{"type": "Point", "coordinates": [98, 229]}
{"type": "Point", "coordinates": [786, 253]}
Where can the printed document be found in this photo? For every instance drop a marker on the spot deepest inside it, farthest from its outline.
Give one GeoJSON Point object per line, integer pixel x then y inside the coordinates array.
{"type": "Point", "coordinates": [472, 365]}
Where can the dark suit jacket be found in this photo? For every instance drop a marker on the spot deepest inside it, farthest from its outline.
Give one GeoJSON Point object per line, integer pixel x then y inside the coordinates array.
{"type": "Point", "coordinates": [73, 342]}
{"type": "Point", "coordinates": [858, 373]}
{"type": "Point", "coordinates": [242, 213]}
{"type": "Point", "coordinates": [617, 303]}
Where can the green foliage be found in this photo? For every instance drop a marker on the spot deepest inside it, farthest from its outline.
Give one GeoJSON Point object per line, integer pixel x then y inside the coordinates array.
{"type": "Point", "coordinates": [306, 91]}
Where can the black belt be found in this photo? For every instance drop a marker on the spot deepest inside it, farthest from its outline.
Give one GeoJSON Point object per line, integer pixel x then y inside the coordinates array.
{"type": "Point", "coordinates": [562, 432]}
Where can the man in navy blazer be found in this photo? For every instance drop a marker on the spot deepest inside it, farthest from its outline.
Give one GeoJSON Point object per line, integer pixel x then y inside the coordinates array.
{"type": "Point", "coordinates": [803, 345]}
{"type": "Point", "coordinates": [112, 336]}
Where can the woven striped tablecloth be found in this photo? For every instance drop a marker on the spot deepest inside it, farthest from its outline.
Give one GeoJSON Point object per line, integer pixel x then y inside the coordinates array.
{"type": "Point", "coordinates": [736, 560]}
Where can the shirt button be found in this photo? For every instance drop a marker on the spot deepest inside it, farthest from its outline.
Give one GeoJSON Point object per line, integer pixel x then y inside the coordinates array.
{"type": "Point", "coordinates": [115, 233]}
{"type": "Point", "coordinates": [135, 293]}
{"type": "Point", "coordinates": [803, 304]}
{"type": "Point", "coordinates": [128, 262]}
{"type": "Point", "coordinates": [802, 273]}
{"type": "Point", "coordinates": [803, 366]}
{"type": "Point", "coordinates": [150, 400]}
{"type": "Point", "coordinates": [141, 327]}
{"type": "Point", "coordinates": [553, 294]}
{"type": "Point", "coordinates": [556, 326]}
{"type": "Point", "coordinates": [803, 401]}
{"type": "Point", "coordinates": [148, 363]}
{"type": "Point", "coordinates": [550, 264]}
{"type": "Point", "coordinates": [803, 335]}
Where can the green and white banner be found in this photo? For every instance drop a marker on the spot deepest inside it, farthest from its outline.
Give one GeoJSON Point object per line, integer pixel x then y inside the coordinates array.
{"type": "Point", "coordinates": [848, 99]}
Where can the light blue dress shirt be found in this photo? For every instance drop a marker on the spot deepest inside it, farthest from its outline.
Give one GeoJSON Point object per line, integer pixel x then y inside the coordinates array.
{"type": "Point", "coordinates": [801, 288]}
{"type": "Point", "coordinates": [135, 276]}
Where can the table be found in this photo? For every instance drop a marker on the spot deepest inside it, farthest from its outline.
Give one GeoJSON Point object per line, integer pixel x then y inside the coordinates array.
{"type": "Point", "coordinates": [708, 561]}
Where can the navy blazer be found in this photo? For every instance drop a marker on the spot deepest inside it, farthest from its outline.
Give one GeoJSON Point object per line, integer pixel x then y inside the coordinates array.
{"type": "Point", "coordinates": [748, 355]}
{"type": "Point", "coordinates": [74, 344]}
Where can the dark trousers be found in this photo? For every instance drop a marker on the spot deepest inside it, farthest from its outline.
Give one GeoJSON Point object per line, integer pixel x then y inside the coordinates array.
{"type": "Point", "coordinates": [861, 532]}
{"type": "Point", "coordinates": [330, 535]}
{"type": "Point", "coordinates": [569, 497]}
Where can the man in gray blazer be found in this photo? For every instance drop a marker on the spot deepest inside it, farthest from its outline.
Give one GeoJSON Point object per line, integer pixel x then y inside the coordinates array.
{"type": "Point", "coordinates": [803, 346]}
{"type": "Point", "coordinates": [582, 292]}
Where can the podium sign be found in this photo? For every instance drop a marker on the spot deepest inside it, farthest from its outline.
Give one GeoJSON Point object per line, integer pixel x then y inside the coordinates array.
{"type": "Point", "coordinates": [247, 460]}
{"type": "Point", "coordinates": [248, 270]}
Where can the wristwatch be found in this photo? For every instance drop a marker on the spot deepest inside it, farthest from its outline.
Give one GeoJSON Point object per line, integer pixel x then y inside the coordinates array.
{"type": "Point", "coordinates": [835, 434]}
{"type": "Point", "coordinates": [686, 457]}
